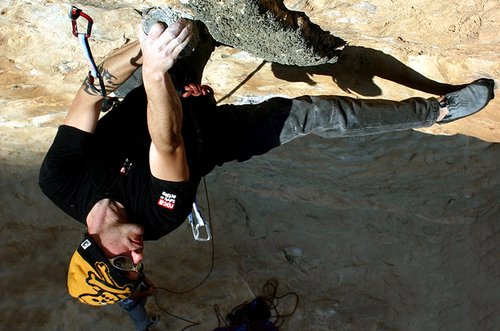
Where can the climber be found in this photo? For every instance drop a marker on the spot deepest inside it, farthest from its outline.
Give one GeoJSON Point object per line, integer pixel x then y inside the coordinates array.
{"type": "Point", "coordinates": [132, 175]}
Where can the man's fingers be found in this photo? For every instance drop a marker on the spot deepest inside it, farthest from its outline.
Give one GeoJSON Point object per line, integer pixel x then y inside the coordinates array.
{"type": "Point", "coordinates": [141, 35]}
{"type": "Point", "coordinates": [178, 49]}
{"type": "Point", "coordinates": [157, 30]}
{"type": "Point", "coordinates": [182, 39]}
{"type": "Point", "coordinates": [186, 32]}
{"type": "Point", "coordinates": [177, 32]}
{"type": "Point", "coordinates": [176, 45]}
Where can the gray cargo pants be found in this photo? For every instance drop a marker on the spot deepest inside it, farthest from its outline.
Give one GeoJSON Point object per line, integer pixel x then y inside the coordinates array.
{"type": "Point", "coordinates": [242, 131]}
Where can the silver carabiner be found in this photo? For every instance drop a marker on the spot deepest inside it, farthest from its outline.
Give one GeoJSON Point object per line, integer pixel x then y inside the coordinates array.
{"type": "Point", "coordinates": [197, 224]}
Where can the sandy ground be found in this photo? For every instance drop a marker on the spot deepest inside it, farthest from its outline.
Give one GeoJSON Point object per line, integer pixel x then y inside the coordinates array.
{"type": "Point", "coordinates": [398, 231]}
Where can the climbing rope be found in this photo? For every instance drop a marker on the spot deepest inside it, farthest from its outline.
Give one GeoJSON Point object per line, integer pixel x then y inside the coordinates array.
{"type": "Point", "coordinates": [262, 313]}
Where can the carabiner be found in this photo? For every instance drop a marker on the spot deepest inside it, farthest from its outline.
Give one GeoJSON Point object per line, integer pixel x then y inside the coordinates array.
{"type": "Point", "coordinates": [200, 224]}
{"type": "Point", "coordinates": [74, 14]}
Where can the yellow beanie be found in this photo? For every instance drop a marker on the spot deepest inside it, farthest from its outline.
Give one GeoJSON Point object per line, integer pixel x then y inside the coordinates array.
{"type": "Point", "coordinates": [93, 280]}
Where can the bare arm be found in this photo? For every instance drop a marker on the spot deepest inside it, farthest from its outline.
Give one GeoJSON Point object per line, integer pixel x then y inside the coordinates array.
{"type": "Point", "coordinates": [115, 69]}
{"type": "Point", "coordinates": [161, 48]}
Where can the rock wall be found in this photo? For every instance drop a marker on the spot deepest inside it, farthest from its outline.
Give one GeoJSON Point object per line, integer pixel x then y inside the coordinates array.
{"type": "Point", "coordinates": [398, 231]}
{"type": "Point", "coordinates": [268, 30]}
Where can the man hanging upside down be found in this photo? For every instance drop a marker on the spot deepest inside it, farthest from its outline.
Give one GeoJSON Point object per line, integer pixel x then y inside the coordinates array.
{"type": "Point", "coordinates": [132, 176]}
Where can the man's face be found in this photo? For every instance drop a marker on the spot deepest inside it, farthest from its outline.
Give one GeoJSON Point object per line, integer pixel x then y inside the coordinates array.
{"type": "Point", "coordinates": [120, 238]}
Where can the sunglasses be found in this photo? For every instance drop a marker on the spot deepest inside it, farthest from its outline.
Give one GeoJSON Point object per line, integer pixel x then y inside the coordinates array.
{"type": "Point", "coordinates": [124, 263]}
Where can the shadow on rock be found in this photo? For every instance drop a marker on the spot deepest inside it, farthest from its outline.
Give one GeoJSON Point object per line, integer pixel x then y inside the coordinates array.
{"type": "Point", "coordinates": [356, 69]}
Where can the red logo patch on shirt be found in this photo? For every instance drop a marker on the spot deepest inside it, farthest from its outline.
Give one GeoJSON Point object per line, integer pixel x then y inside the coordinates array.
{"type": "Point", "coordinates": [167, 200]}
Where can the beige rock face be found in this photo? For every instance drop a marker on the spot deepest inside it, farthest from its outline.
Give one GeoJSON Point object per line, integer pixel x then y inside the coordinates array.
{"type": "Point", "coordinates": [398, 231]}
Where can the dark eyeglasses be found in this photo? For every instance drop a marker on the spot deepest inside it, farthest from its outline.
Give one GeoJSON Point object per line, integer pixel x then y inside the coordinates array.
{"type": "Point", "coordinates": [124, 263]}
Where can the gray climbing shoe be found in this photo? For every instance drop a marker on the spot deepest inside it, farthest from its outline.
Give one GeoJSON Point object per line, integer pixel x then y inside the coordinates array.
{"type": "Point", "coordinates": [469, 100]}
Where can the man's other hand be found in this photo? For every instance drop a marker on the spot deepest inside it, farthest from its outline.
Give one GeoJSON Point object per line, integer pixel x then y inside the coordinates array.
{"type": "Point", "coordinates": [162, 46]}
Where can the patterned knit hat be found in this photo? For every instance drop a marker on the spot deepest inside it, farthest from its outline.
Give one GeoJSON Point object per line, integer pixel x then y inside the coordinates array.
{"type": "Point", "coordinates": [93, 280]}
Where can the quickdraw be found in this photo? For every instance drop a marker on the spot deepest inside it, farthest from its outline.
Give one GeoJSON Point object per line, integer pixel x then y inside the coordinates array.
{"type": "Point", "coordinates": [74, 15]}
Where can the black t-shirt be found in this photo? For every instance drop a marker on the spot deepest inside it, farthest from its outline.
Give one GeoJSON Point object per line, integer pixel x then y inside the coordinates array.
{"type": "Point", "coordinates": [81, 169]}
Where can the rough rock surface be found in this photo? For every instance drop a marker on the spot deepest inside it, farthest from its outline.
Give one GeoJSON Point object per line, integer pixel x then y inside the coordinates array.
{"type": "Point", "coordinates": [398, 231]}
{"type": "Point", "coordinates": [265, 29]}
{"type": "Point", "coordinates": [268, 30]}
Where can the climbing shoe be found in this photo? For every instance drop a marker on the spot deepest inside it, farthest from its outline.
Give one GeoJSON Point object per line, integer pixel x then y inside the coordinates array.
{"type": "Point", "coordinates": [468, 101]}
